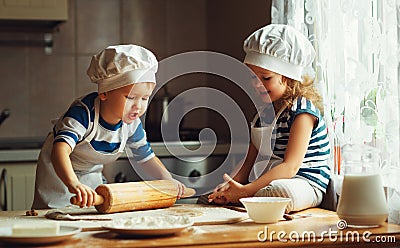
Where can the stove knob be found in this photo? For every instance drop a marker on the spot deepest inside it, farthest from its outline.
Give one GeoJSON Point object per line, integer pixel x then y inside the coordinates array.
{"type": "Point", "coordinates": [120, 178]}
{"type": "Point", "coordinates": [194, 175]}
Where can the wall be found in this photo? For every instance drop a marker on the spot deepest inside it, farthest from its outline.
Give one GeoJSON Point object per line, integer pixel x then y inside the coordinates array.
{"type": "Point", "coordinates": [37, 87]}
{"type": "Point", "coordinates": [229, 23]}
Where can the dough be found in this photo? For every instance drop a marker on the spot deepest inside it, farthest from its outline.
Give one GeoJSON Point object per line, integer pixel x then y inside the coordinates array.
{"type": "Point", "coordinates": [36, 229]}
{"type": "Point", "coordinates": [183, 211]}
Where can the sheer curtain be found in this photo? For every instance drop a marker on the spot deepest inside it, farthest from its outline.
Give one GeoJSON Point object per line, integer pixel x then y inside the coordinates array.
{"type": "Point", "coordinates": [357, 73]}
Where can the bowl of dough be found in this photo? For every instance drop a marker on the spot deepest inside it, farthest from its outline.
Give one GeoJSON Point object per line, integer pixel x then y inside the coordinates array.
{"type": "Point", "coordinates": [265, 209]}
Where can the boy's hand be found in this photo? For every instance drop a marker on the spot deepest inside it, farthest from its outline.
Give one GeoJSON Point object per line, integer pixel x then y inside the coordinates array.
{"type": "Point", "coordinates": [180, 188]}
{"type": "Point", "coordinates": [84, 194]}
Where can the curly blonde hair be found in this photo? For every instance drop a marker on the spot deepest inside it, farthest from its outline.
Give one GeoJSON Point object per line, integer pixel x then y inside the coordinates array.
{"type": "Point", "coordinates": [306, 89]}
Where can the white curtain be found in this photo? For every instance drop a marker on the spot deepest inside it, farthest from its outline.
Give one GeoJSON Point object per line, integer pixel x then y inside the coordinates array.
{"type": "Point", "coordinates": [357, 73]}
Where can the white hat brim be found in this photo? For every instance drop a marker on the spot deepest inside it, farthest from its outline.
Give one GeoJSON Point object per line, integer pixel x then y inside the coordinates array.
{"type": "Point", "coordinates": [274, 64]}
{"type": "Point", "coordinates": [126, 78]}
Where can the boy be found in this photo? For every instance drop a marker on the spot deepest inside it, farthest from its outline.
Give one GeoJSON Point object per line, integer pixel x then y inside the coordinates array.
{"type": "Point", "coordinates": [97, 127]}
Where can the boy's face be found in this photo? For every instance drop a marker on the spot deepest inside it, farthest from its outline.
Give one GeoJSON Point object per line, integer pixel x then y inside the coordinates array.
{"type": "Point", "coordinates": [126, 103]}
{"type": "Point", "coordinates": [268, 85]}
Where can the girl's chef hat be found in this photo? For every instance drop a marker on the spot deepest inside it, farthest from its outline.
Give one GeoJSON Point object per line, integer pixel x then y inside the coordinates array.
{"type": "Point", "coordinates": [121, 65]}
{"type": "Point", "coordinates": [281, 49]}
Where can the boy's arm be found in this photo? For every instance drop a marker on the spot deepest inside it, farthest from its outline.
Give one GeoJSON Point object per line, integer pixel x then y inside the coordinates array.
{"type": "Point", "coordinates": [63, 168]}
{"type": "Point", "coordinates": [155, 168]}
{"type": "Point", "coordinates": [62, 163]}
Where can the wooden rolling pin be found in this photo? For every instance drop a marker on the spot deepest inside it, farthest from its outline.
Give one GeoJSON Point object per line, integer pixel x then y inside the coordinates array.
{"type": "Point", "coordinates": [121, 197]}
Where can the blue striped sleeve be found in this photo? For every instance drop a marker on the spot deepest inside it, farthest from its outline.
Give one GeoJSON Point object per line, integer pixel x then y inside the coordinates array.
{"type": "Point", "coordinates": [139, 134]}
{"type": "Point", "coordinates": [75, 122]}
{"type": "Point", "coordinates": [139, 146]}
{"type": "Point", "coordinates": [89, 102]}
{"type": "Point", "coordinates": [142, 152]}
{"type": "Point", "coordinates": [63, 134]}
{"type": "Point", "coordinates": [79, 114]}
{"type": "Point", "coordinates": [303, 105]}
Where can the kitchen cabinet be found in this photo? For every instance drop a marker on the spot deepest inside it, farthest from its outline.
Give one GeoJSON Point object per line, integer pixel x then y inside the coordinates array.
{"type": "Point", "coordinates": [34, 10]}
{"type": "Point", "coordinates": [17, 185]}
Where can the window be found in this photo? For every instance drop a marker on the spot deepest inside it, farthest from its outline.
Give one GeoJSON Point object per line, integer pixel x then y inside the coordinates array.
{"type": "Point", "coordinates": [356, 71]}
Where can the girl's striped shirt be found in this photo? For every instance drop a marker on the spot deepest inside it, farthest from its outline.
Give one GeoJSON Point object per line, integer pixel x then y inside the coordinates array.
{"type": "Point", "coordinates": [315, 168]}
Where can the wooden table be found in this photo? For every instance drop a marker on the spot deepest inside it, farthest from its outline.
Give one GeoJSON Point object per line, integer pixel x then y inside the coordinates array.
{"type": "Point", "coordinates": [320, 229]}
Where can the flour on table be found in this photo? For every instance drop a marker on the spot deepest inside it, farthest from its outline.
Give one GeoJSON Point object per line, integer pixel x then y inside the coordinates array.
{"type": "Point", "coordinates": [184, 212]}
{"type": "Point", "coordinates": [152, 222]}
{"type": "Point", "coordinates": [205, 214]}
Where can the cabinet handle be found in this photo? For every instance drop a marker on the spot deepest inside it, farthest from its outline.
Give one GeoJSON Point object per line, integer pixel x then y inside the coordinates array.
{"type": "Point", "coordinates": [4, 180]}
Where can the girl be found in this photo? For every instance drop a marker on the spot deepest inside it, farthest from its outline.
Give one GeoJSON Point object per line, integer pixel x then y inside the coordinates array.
{"type": "Point", "coordinates": [296, 165]}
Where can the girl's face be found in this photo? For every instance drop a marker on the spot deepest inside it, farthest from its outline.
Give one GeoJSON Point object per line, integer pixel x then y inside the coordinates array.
{"type": "Point", "coordinates": [126, 103]}
{"type": "Point", "coordinates": [268, 85]}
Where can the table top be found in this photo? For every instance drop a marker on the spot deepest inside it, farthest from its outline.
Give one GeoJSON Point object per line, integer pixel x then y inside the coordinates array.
{"type": "Point", "coordinates": [313, 227]}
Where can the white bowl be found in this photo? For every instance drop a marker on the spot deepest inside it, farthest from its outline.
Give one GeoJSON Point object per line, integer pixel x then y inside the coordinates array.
{"type": "Point", "coordinates": [265, 209]}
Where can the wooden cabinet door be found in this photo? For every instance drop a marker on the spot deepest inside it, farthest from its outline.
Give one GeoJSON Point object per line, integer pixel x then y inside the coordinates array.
{"type": "Point", "coordinates": [19, 184]}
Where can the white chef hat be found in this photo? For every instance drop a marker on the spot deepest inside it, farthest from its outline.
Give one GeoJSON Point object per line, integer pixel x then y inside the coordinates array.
{"type": "Point", "coordinates": [281, 49]}
{"type": "Point", "coordinates": [121, 65]}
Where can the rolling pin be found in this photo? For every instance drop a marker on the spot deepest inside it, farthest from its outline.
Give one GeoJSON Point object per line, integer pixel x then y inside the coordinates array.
{"type": "Point", "coordinates": [121, 197]}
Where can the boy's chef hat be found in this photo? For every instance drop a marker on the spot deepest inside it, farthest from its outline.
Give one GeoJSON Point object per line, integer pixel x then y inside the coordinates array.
{"type": "Point", "coordinates": [281, 49]}
{"type": "Point", "coordinates": [121, 65]}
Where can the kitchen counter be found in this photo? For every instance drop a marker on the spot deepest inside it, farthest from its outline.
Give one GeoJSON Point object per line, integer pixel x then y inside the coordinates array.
{"type": "Point", "coordinates": [322, 224]}
{"type": "Point", "coordinates": [159, 148]}
{"type": "Point", "coordinates": [188, 160]}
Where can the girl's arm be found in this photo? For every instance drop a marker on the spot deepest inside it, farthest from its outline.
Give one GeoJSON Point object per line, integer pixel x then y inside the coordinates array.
{"type": "Point", "coordinates": [240, 174]}
{"type": "Point", "coordinates": [242, 170]}
{"type": "Point", "coordinates": [296, 149]}
{"type": "Point", "coordinates": [299, 138]}
{"type": "Point", "coordinates": [63, 168]}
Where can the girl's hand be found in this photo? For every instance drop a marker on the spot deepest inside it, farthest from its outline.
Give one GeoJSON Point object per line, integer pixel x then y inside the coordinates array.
{"type": "Point", "coordinates": [84, 194]}
{"type": "Point", "coordinates": [220, 200]}
{"type": "Point", "coordinates": [221, 187]}
{"type": "Point", "coordinates": [230, 193]}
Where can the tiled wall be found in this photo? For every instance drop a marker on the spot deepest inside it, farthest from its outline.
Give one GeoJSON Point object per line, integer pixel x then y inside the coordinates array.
{"type": "Point", "coordinates": [37, 87]}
